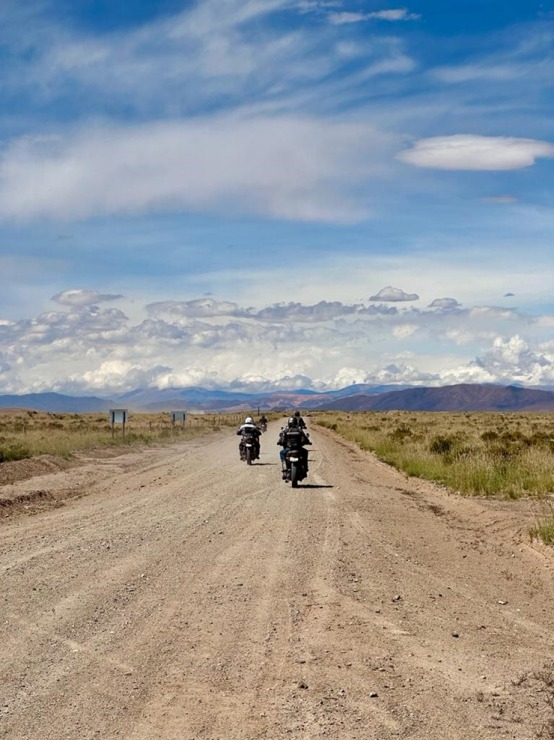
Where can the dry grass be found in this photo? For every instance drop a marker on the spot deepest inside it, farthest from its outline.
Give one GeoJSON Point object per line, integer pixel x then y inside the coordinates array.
{"type": "Point", "coordinates": [541, 683]}
{"type": "Point", "coordinates": [509, 455]}
{"type": "Point", "coordinates": [485, 454]}
{"type": "Point", "coordinates": [543, 529]}
{"type": "Point", "coordinates": [25, 434]}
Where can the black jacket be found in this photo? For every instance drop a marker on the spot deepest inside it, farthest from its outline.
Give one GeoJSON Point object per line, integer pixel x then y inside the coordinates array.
{"type": "Point", "coordinates": [293, 438]}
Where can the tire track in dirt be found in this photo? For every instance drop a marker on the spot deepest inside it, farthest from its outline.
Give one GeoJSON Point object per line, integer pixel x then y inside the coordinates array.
{"type": "Point", "coordinates": [189, 596]}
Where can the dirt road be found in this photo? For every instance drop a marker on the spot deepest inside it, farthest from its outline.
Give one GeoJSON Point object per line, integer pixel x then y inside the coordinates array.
{"type": "Point", "coordinates": [189, 596]}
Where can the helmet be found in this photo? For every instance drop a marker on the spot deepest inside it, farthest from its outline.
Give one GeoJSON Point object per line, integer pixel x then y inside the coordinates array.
{"type": "Point", "coordinates": [291, 422]}
{"type": "Point", "coordinates": [249, 420]}
{"type": "Point", "coordinates": [297, 413]}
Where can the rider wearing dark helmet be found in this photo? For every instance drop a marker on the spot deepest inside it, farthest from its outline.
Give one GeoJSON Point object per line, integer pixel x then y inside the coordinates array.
{"type": "Point", "coordinates": [293, 437]}
{"type": "Point", "coordinates": [299, 420]}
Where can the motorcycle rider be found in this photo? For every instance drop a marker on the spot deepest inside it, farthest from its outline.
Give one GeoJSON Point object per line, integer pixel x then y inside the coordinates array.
{"type": "Point", "coordinates": [293, 437]}
{"type": "Point", "coordinates": [263, 422]}
{"type": "Point", "coordinates": [249, 429]}
{"type": "Point", "coordinates": [299, 420]}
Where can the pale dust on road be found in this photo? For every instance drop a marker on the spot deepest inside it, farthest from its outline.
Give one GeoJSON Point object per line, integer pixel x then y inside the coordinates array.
{"type": "Point", "coordinates": [190, 596]}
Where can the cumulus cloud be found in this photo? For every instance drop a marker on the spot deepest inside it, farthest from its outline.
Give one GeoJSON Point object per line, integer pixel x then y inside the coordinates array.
{"type": "Point", "coordinates": [209, 308]}
{"type": "Point", "coordinates": [393, 294]}
{"type": "Point", "coordinates": [208, 341]}
{"type": "Point", "coordinates": [117, 375]}
{"type": "Point", "coordinates": [319, 312]}
{"type": "Point", "coordinates": [393, 15]}
{"type": "Point", "coordinates": [286, 167]}
{"type": "Point", "coordinates": [402, 331]}
{"type": "Point", "coordinates": [516, 360]}
{"type": "Point", "coordinates": [83, 297]}
{"type": "Point", "coordinates": [199, 307]}
{"type": "Point", "coordinates": [446, 304]}
{"type": "Point", "coordinates": [468, 152]}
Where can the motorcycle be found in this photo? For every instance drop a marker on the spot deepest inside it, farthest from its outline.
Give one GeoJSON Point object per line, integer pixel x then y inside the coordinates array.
{"type": "Point", "coordinates": [249, 448]}
{"type": "Point", "coordinates": [296, 468]}
{"type": "Point", "coordinates": [263, 426]}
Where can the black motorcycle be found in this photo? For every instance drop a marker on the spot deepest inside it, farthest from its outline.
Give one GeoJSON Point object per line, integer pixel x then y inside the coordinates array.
{"type": "Point", "coordinates": [296, 468]}
{"type": "Point", "coordinates": [249, 448]}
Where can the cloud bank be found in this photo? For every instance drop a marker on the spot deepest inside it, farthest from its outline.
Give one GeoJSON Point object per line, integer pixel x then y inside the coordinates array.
{"type": "Point", "coordinates": [89, 348]}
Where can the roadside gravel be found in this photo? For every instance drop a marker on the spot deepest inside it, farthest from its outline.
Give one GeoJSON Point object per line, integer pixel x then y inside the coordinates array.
{"type": "Point", "coordinates": [178, 593]}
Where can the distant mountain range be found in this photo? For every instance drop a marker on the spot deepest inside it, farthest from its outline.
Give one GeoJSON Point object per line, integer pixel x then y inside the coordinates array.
{"type": "Point", "coordinates": [56, 403]}
{"type": "Point", "coordinates": [463, 397]}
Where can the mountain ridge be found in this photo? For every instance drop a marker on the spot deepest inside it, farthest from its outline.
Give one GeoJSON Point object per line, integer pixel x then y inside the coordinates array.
{"type": "Point", "coordinates": [460, 397]}
{"type": "Point", "coordinates": [358, 397]}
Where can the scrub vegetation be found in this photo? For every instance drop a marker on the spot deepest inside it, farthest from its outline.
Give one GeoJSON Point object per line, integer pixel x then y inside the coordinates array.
{"type": "Point", "coordinates": [476, 454]}
{"type": "Point", "coordinates": [26, 434]}
{"type": "Point", "coordinates": [485, 454]}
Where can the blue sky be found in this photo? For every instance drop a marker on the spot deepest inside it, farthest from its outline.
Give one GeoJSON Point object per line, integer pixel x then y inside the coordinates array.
{"type": "Point", "coordinates": [276, 193]}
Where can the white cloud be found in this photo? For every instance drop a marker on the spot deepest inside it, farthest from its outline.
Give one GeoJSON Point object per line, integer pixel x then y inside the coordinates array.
{"type": "Point", "coordinates": [307, 6]}
{"type": "Point", "coordinates": [393, 294]}
{"type": "Point", "coordinates": [83, 297]}
{"type": "Point", "coordinates": [346, 376]}
{"type": "Point", "coordinates": [393, 15]}
{"type": "Point", "coordinates": [468, 152]}
{"type": "Point", "coordinates": [199, 307]}
{"type": "Point", "coordinates": [116, 375]}
{"type": "Point", "coordinates": [211, 56]}
{"type": "Point", "coordinates": [525, 60]}
{"type": "Point", "coordinates": [321, 312]}
{"type": "Point", "coordinates": [338, 19]}
{"type": "Point", "coordinates": [402, 331]}
{"type": "Point", "coordinates": [470, 72]}
{"type": "Point", "coordinates": [88, 348]}
{"type": "Point", "coordinates": [289, 168]}
{"type": "Point", "coordinates": [446, 304]}
{"type": "Point", "coordinates": [517, 360]}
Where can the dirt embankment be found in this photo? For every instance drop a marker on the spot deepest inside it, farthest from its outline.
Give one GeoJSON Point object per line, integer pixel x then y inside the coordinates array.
{"type": "Point", "coordinates": [178, 593]}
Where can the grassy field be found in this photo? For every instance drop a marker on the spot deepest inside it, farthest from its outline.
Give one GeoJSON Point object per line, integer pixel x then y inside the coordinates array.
{"type": "Point", "coordinates": [484, 454]}
{"type": "Point", "coordinates": [25, 434]}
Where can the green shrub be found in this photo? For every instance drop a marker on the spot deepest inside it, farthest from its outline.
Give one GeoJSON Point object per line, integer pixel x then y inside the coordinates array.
{"type": "Point", "coordinates": [544, 529]}
{"type": "Point", "coordinates": [14, 451]}
{"type": "Point", "coordinates": [489, 436]}
{"type": "Point", "coordinates": [441, 445]}
{"type": "Point", "coordinates": [401, 432]}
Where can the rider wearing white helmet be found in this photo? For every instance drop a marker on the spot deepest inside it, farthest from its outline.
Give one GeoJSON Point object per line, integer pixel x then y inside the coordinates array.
{"type": "Point", "coordinates": [249, 429]}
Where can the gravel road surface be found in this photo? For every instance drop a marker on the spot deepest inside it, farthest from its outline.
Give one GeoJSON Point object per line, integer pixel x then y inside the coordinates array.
{"type": "Point", "coordinates": [179, 593]}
